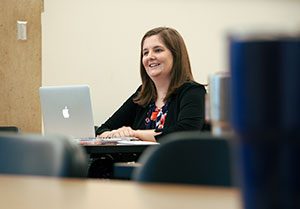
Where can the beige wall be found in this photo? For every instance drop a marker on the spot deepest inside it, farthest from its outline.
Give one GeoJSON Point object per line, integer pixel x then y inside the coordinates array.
{"type": "Point", "coordinates": [20, 65]}
{"type": "Point", "coordinates": [97, 42]}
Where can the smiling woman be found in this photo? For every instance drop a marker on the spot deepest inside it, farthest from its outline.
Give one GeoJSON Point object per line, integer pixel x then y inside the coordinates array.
{"type": "Point", "coordinates": [157, 59]}
{"type": "Point", "coordinates": [169, 100]}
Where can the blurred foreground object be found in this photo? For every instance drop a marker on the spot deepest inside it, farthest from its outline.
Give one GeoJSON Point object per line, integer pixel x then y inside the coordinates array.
{"type": "Point", "coordinates": [265, 72]}
{"type": "Point", "coordinates": [30, 154]}
{"type": "Point", "coordinates": [219, 85]}
{"type": "Point", "coordinates": [187, 158]}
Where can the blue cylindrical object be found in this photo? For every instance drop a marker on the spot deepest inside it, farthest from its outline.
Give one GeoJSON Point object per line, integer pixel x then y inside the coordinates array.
{"type": "Point", "coordinates": [290, 85]}
{"type": "Point", "coordinates": [255, 71]}
{"type": "Point", "coordinates": [265, 75]}
{"type": "Point", "coordinates": [265, 85]}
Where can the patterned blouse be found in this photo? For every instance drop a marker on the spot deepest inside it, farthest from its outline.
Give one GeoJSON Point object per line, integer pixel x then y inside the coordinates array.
{"type": "Point", "coordinates": [156, 117]}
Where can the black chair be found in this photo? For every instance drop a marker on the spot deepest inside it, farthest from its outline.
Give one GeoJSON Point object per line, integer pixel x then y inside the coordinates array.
{"type": "Point", "coordinates": [188, 158]}
{"type": "Point", "coordinates": [53, 155]}
{"type": "Point", "coordinates": [11, 129]}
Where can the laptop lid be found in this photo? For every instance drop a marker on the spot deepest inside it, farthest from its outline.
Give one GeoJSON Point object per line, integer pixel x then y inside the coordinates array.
{"type": "Point", "coordinates": [67, 110]}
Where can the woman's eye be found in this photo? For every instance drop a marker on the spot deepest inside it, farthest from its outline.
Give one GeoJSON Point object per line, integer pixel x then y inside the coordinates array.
{"type": "Point", "coordinates": [158, 50]}
{"type": "Point", "coordinates": [145, 53]}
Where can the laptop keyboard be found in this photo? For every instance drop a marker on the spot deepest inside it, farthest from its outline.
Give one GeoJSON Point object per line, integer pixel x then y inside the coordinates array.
{"type": "Point", "coordinates": [100, 140]}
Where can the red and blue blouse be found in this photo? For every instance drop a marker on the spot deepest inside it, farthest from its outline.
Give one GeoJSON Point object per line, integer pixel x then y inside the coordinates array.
{"type": "Point", "coordinates": [156, 117]}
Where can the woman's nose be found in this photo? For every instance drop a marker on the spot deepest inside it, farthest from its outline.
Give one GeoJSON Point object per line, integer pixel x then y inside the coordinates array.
{"type": "Point", "coordinates": [151, 55]}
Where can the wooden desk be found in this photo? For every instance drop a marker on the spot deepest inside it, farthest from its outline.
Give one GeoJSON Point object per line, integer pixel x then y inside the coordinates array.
{"type": "Point", "coordinates": [53, 193]}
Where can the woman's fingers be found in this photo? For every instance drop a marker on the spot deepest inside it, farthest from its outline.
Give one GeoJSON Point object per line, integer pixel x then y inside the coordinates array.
{"type": "Point", "coordinates": [121, 132]}
{"type": "Point", "coordinates": [124, 132]}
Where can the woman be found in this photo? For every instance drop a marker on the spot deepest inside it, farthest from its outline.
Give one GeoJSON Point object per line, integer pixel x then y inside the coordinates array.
{"type": "Point", "coordinates": [168, 100]}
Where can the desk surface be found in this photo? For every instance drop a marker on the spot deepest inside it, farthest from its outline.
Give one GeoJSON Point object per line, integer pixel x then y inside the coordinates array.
{"type": "Point", "coordinates": [53, 193]}
{"type": "Point", "coordinates": [110, 148]}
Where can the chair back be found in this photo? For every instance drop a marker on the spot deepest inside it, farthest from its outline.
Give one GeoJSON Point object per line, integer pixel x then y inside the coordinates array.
{"type": "Point", "coordinates": [53, 155]}
{"type": "Point", "coordinates": [13, 129]}
{"type": "Point", "coordinates": [189, 158]}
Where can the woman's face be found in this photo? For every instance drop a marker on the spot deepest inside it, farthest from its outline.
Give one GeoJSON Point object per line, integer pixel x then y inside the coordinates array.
{"type": "Point", "coordinates": [157, 58]}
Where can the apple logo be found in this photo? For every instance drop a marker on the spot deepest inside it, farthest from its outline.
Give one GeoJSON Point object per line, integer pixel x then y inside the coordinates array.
{"type": "Point", "coordinates": [65, 112]}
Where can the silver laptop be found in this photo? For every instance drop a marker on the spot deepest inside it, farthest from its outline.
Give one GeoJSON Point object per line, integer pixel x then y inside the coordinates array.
{"type": "Point", "coordinates": [67, 110]}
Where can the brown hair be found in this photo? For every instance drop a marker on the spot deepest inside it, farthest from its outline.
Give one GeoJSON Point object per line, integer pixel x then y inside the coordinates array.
{"type": "Point", "coordinates": [181, 71]}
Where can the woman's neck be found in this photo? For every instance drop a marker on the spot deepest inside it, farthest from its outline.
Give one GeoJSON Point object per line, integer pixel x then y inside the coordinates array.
{"type": "Point", "coordinates": [161, 90]}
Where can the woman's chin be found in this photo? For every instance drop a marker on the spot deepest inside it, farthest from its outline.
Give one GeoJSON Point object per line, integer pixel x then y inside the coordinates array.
{"type": "Point", "coordinates": [153, 74]}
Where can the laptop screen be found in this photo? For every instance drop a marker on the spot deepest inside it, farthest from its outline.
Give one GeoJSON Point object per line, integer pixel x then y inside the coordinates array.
{"type": "Point", "coordinates": [67, 110]}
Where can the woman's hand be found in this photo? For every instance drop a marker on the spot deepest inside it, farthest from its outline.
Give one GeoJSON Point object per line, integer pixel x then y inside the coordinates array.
{"type": "Point", "coordinates": [124, 131]}
{"type": "Point", "coordinates": [146, 135]}
{"type": "Point", "coordinates": [105, 134]}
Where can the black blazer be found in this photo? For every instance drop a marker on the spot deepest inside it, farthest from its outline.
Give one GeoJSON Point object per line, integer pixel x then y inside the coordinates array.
{"type": "Point", "coordinates": [186, 112]}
